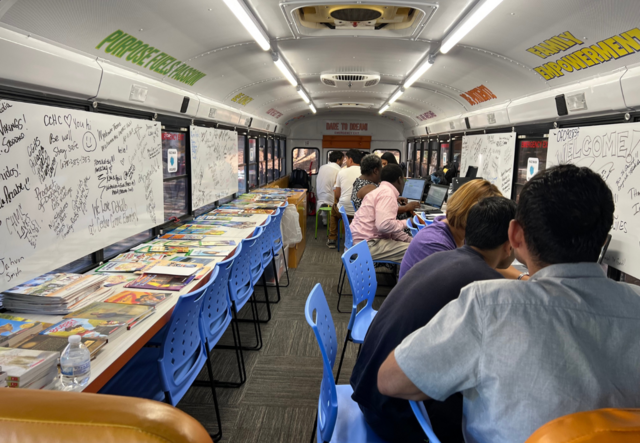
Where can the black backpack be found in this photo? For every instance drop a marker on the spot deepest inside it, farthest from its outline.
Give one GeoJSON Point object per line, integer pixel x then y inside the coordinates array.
{"type": "Point", "coordinates": [299, 179]}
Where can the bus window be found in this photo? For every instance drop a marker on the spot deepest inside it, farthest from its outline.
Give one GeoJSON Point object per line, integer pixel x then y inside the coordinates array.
{"type": "Point", "coordinates": [307, 159]}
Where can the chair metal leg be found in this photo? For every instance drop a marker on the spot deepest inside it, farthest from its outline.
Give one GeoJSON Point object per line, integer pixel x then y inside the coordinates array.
{"type": "Point", "coordinates": [344, 348]}
{"type": "Point", "coordinates": [341, 280]}
{"type": "Point", "coordinates": [256, 325]}
{"type": "Point", "coordinates": [338, 245]}
{"type": "Point", "coordinates": [215, 437]}
{"type": "Point", "coordinates": [317, 213]}
{"type": "Point", "coordinates": [275, 273]}
{"type": "Point", "coordinates": [286, 267]}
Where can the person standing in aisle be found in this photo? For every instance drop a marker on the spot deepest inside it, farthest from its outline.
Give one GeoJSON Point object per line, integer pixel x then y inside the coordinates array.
{"type": "Point", "coordinates": [325, 182]}
{"type": "Point", "coordinates": [342, 192]}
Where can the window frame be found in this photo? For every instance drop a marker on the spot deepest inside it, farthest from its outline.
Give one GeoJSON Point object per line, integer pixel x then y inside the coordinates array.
{"type": "Point", "coordinates": [187, 175]}
{"type": "Point", "coordinates": [245, 164]}
{"type": "Point", "coordinates": [389, 150]}
{"type": "Point", "coordinates": [308, 148]}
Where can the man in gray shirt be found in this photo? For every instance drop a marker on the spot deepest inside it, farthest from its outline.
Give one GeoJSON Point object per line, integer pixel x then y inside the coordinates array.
{"type": "Point", "coordinates": [523, 353]}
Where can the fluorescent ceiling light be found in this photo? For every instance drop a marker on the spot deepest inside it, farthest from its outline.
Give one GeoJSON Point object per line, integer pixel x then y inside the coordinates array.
{"type": "Point", "coordinates": [384, 108]}
{"type": "Point", "coordinates": [417, 73]}
{"type": "Point", "coordinates": [313, 108]}
{"type": "Point", "coordinates": [396, 95]}
{"type": "Point", "coordinates": [304, 96]}
{"type": "Point", "coordinates": [477, 14]}
{"type": "Point", "coordinates": [247, 20]}
{"type": "Point", "coordinates": [285, 70]}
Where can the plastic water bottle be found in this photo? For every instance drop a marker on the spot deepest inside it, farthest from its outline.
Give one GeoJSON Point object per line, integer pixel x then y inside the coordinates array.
{"type": "Point", "coordinates": [75, 365]}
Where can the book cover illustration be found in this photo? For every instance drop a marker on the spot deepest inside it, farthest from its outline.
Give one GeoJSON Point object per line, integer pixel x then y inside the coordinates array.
{"type": "Point", "coordinates": [114, 312]}
{"type": "Point", "coordinates": [188, 259]}
{"type": "Point", "coordinates": [45, 284]}
{"type": "Point", "coordinates": [86, 328]}
{"type": "Point", "coordinates": [160, 282]}
{"type": "Point", "coordinates": [139, 298]}
{"type": "Point", "coordinates": [10, 327]}
{"type": "Point", "coordinates": [208, 253]}
{"type": "Point", "coordinates": [182, 237]}
{"type": "Point", "coordinates": [123, 266]}
{"type": "Point", "coordinates": [114, 280]}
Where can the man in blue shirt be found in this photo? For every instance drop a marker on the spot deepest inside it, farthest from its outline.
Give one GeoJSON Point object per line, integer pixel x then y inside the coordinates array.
{"type": "Point", "coordinates": [428, 287]}
{"type": "Point", "coordinates": [523, 353]}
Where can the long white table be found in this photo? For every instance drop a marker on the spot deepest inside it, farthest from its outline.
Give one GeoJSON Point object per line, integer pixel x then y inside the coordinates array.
{"type": "Point", "coordinates": [120, 350]}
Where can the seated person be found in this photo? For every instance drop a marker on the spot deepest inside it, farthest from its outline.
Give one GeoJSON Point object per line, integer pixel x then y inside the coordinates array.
{"type": "Point", "coordinates": [525, 353]}
{"type": "Point", "coordinates": [388, 159]}
{"type": "Point", "coordinates": [370, 168]}
{"type": "Point", "coordinates": [447, 231]}
{"type": "Point", "coordinates": [426, 289]}
{"type": "Point", "coordinates": [376, 223]}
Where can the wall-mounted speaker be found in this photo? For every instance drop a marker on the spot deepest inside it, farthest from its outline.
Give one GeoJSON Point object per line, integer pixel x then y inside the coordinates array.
{"type": "Point", "coordinates": [185, 105]}
{"type": "Point", "coordinates": [561, 105]}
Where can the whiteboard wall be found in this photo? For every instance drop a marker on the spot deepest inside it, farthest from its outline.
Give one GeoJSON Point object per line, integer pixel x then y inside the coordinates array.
{"type": "Point", "coordinates": [613, 151]}
{"type": "Point", "coordinates": [493, 155]}
{"type": "Point", "coordinates": [214, 165]}
{"type": "Point", "coordinates": [72, 182]}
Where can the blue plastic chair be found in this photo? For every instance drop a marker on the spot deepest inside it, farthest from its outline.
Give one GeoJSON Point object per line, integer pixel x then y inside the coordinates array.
{"type": "Point", "coordinates": [348, 238]}
{"type": "Point", "coordinates": [166, 373]}
{"type": "Point", "coordinates": [348, 243]}
{"type": "Point", "coordinates": [216, 315]}
{"type": "Point", "coordinates": [361, 272]}
{"type": "Point", "coordinates": [260, 260]}
{"type": "Point", "coordinates": [354, 206]}
{"type": "Point", "coordinates": [241, 283]}
{"type": "Point", "coordinates": [419, 225]}
{"type": "Point", "coordinates": [412, 228]}
{"type": "Point", "coordinates": [423, 418]}
{"type": "Point", "coordinates": [339, 418]}
{"type": "Point", "coordinates": [278, 242]}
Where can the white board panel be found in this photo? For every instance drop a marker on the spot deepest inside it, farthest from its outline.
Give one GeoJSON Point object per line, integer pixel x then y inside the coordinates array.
{"type": "Point", "coordinates": [613, 151]}
{"type": "Point", "coordinates": [72, 182]}
{"type": "Point", "coordinates": [493, 155]}
{"type": "Point", "coordinates": [214, 165]}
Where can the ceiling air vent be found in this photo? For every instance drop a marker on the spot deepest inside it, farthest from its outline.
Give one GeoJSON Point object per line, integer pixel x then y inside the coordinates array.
{"type": "Point", "coordinates": [350, 81]}
{"type": "Point", "coordinates": [350, 105]}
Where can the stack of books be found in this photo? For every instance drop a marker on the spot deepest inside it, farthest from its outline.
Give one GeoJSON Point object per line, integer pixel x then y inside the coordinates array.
{"type": "Point", "coordinates": [127, 314]}
{"type": "Point", "coordinates": [55, 293]}
{"type": "Point", "coordinates": [14, 330]}
{"type": "Point", "coordinates": [29, 369]}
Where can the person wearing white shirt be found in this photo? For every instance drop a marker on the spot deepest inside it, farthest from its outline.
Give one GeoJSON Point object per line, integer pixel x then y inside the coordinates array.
{"type": "Point", "coordinates": [326, 180]}
{"type": "Point", "coordinates": [342, 191]}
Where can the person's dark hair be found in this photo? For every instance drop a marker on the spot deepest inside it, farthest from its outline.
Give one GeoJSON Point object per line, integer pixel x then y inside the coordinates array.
{"type": "Point", "coordinates": [335, 156]}
{"type": "Point", "coordinates": [488, 222]}
{"type": "Point", "coordinates": [391, 173]}
{"type": "Point", "coordinates": [566, 213]}
{"type": "Point", "coordinates": [354, 155]}
{"type": "Point", "coordinates": [390, 158]}
{"type": "Point", "coordinates": [369, 163]}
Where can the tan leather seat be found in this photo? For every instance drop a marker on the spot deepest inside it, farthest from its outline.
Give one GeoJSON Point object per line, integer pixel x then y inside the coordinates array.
{"type": "Point", "coordinates": [56, 417]}
{"type": "Point", "coordinates": [599, 426]}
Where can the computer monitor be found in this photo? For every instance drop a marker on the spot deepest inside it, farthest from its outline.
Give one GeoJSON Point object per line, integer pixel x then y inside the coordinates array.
{"type": "Point", "coordinates": [414, 188]}
{"type": "Point", "coordinates": [436, 195]}
{"type": "Point", "coordinates": [459, 181]}
{"type": "Point", "coordinates": [472, 171]}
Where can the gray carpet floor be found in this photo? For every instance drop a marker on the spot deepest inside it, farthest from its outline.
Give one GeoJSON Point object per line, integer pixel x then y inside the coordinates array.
{"type": "Point", "coordinates": [278, 402]}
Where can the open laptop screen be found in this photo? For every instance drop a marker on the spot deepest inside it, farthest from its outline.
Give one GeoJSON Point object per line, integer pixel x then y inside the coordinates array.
{"type": "Point", "coordinates": [436, 195]}
{"type": "Point", "coordinates": [414, 188]}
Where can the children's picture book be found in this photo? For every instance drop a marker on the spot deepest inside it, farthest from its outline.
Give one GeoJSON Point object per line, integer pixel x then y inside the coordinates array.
{"type": "Point", "coordinates": [114, 280]}
{"type": "Point", "coordinates": [58, 344]}
{"type": "Point", "coordinates": [188, 259]}
{"type": "Point", "coordinates": [188, 243]}
{"type": "Point", "coordinates": [112, 312]}
{"type": "Point", "coordinates": [160, 282]}
{"type": "Point", "coordinates": [122, 266]}
{"type": "Point", "coordinates": [45, 284]}
{"type": "Point", "coordinates": [23, 365]}
{"type": "Point", "coordinates": [13, 329]}
{"type": "Point", "coordinates": [139, 298]}
{"type": "Point", "coordinates": [208, 253]}
{"type": "Point", "coordinates": [134, 257]}
{"type": "Point", "coordinates": [86, 328]}
{"type": "Point", "coordinates": [210, 241]}
{"type": "Point", "coordinates": [182, 237]}
{"type": "Point", "coordinates": [165, 249]}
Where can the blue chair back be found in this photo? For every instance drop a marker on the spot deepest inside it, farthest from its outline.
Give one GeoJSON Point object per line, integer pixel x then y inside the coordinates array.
{"type": "Point", "coordinates": [255, 258]}
{"type": "Point", "coordinates": [348, 238]}
{"type": "Point", "coordinates": [318, 316]}
{"type": "Point", "coordinates": [416, 221]}
{"type": "Point", "coordinates": [412, 229]}
{"type": "Point", "coordinates": [362, 278]}
{"type": "Point", "coordinates": [216, 307]}
{"type": "Point", "coordinates": [354, 206]}
{"type": "Point", "coordinates": [423, 418]}
{"type": "Point", "coordinates": [183, 355]}
{"type": "Point", "coordinates": [266, 245]}
{"type": "Point", "coordinates": [276, 231]}
{"type": "Point", "coordinates": [240, 281]}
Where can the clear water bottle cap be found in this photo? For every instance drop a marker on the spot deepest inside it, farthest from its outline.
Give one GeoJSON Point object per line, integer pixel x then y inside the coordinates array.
{"type": "Point", "coordinates": [75, 339]}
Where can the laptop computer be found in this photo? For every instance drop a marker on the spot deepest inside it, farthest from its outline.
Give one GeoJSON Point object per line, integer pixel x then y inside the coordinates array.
{"type": "Point", "coordinates": [435, 199]}
{"type": "Point", "coordinates": [414, 189]}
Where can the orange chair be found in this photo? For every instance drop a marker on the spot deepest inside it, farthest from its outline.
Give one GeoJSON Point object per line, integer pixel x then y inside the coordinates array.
{"type": "Point", "coordinates": [71, 417]}
{"type": "Point", "coordinates": [599, 426]}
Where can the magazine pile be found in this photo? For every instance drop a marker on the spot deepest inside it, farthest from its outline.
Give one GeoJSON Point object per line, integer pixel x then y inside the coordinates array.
{"type": "Point", "coordinates": [55, 294]}
{"type": "Point", "coordinates": [28, 369]}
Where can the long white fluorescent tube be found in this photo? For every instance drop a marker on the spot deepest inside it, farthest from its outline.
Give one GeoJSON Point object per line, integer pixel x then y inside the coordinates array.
{"type": "Point", "coordinates": [245, 18]}
{"type": "Point", "coordinates": [384, 108]}
{"type": "Point", "coordinates": [475, 16]}
{"type": "Point", "coordinates": [417, 73]}
{"type": "Point", "coordinates": [313, 108]}
{"type": "Point", "coordinates": [283, 68]}
{"type": "Point", "coordinates": [396, 96]}
{"type": "Point", "coordinates": [304, 96]}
